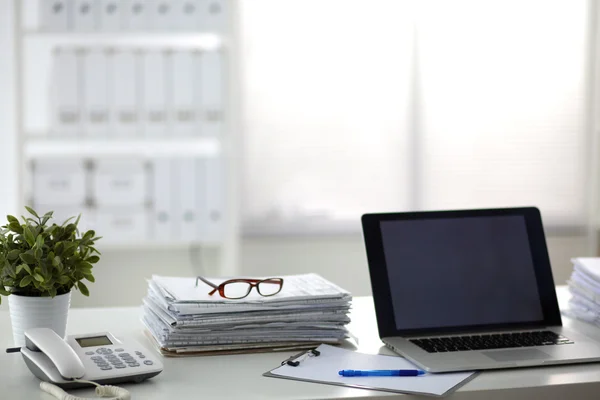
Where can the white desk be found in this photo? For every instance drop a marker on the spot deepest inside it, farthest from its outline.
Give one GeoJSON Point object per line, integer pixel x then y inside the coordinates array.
{"type": "Point", "coordinates": [240, 376]}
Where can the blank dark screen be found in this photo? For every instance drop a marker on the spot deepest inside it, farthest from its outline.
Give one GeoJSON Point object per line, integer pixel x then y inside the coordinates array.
{"type": "Point", "coordinates": [455, 272]}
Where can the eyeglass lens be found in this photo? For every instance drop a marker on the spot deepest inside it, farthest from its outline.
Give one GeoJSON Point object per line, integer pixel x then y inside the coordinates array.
{"type": "Point", "coordinates": [240, 289]}
{"type": "Point", "coordinates": [236, 290]}
{"type": "Point", "coordinates": [269, 287]}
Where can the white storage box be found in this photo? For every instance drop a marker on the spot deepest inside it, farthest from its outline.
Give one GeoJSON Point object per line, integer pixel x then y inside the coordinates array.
{"type": "Point", "coordinates": [119, 182]}
{"type": "Point", "coordinates": [59, 182]}
{"type": "Point", "coordinates": [122, 225]}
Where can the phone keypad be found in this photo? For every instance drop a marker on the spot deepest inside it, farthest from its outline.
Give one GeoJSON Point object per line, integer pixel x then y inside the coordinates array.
{"type": "Point", "coordinates": [106, 360]}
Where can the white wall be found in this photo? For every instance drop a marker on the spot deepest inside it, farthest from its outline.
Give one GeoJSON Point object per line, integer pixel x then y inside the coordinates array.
{"type": "Point", "coordinates": [120, 275]}
{"type": "Point", "coordinates": [8, 113]}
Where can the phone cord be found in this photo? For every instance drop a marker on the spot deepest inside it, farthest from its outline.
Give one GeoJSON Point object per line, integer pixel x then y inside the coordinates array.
{"type": "Point", "coordinates": [115, 392]}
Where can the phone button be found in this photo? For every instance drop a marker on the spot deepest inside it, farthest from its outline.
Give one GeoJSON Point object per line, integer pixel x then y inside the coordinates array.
{"type": "Point", "coordinates": [89, 353]}
{"type": "Point", "coordinates": [106, 368]}
{"type": "Point", "coordinates": [119, 350]}
{"type": "Point", "coordinates": [148, 362]}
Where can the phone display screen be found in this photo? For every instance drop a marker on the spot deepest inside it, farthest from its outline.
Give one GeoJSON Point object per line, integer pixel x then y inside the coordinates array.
{"type": "Point", "coordinates": [94, 341]}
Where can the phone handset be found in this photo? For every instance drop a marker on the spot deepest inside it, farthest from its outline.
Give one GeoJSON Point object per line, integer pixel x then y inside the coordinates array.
{"type": "Point", "coordinates": [57, 350]}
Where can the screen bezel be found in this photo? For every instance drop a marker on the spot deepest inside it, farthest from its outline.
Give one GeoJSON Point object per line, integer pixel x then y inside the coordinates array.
{"type": "Point", "coordinates": [371, 224]}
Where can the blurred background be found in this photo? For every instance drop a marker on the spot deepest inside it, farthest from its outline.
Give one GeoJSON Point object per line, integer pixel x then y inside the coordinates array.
{"type": "Point", "coordinates": [246, 137]}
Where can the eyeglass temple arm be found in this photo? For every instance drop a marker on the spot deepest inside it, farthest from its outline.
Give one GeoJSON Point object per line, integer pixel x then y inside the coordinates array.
{"type": "Point", "coordinates": [209, 283]}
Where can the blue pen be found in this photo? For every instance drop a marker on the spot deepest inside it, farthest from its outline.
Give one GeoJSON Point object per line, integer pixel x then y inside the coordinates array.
{"type": "Point", "coordinates": [382, 372]}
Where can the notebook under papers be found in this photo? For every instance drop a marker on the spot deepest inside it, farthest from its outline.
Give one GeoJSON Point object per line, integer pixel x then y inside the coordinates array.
{"type": "Point", "coordinates": [468, 290]}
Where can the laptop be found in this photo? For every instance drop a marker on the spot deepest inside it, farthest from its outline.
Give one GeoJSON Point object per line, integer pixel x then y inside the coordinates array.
{"type": "Point", "coordinates": [468, 290]}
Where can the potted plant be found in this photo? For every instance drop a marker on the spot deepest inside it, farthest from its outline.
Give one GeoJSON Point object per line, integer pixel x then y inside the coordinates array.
{"type": "Point", "coordinates": [40, 263]}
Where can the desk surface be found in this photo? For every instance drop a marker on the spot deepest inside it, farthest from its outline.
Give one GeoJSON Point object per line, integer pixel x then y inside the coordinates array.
{"type": "Point", "coordinates": [240, 376]}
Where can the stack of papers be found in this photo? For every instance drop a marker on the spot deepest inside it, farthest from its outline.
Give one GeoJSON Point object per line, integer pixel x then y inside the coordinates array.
{"type": "Point", "coordinates": [183, 319]}
{"type": "Point", "coordinates": [584, 286]}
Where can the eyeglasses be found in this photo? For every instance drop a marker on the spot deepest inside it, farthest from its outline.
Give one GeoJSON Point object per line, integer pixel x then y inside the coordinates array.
{"type": "Point", "coordinates": [240, 288]}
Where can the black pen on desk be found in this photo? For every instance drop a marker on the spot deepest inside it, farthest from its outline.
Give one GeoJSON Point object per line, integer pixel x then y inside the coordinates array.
{"type": "Point", "coordinates": [382, 372]}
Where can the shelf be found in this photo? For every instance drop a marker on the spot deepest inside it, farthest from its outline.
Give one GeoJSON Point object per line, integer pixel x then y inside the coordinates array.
{"type": "Point", "coordinates": [144, 244]}
{"type": "Point", "coordinates": [206, 41]}
{"type": "Point", "coordinates": [35, 147]}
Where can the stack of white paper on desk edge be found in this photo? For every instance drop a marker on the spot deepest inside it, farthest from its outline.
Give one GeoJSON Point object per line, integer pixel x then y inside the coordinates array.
{"type": "Point", "coordinates": [584, 286]}
{"type": "Point", "coordinates": [183, 318]}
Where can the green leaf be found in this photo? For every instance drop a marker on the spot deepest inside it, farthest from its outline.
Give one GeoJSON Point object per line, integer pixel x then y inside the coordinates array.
{"type": "Point", "coordinates": [13, 254]}
{"type": "Point", "coordinates": [38, 277]}
{"type": "Point", "coordinates": [27, 258]}
{"type": "Point", "coordinates": [39, 241]}
{"type": "Point", "coordinates": [26, 281]}
{"type": "Point", "coordinates": [67, 221]}
{"type": "Point", "coordinates": [10, 270]}
{"type": "Point", "coordinates": [28, 235]}
{"type": "Point", "coordinates": [26, 268]}
{"type": "Point", "coordinates": [16, 227]}
{"type": "Point", "coordinates": [3, 291]}
{"type": "Point", "coordinates": [70, 248]}
{"type": "Point", "coordinates": [63, 279]}
{"type": "Point", "coordinates": [12, 219]}
{"type": "Point", "coordinates": [84, 266]}
{"type": "Point", "coordinates": [89, 277]}
{"type": "Point", "coordinates": [56, 261]}
{"type": "Point", "coordinates": [51, 230]}
{"type": "Point", "coordinates": [38, 253]}
{"type": "Point", "coordinates": [32, 212]}
{"type": "Point", "coordinates": [84, 290]}
{"type": "Point", "coordinates": [47, 217]}
{"type": "Point", "coordinates": [93, 259]}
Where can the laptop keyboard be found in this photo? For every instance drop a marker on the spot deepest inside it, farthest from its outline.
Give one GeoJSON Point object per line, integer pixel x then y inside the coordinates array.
{"type": "Point", "coordinates": [491, 341]}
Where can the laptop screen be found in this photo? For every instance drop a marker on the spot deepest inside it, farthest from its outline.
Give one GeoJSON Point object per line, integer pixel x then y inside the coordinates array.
{"type": "Point", "coordinates": [455, 272]}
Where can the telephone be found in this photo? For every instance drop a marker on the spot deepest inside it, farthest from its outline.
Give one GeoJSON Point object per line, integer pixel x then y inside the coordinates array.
{"type": "Point", "coordinates": [79, 359]}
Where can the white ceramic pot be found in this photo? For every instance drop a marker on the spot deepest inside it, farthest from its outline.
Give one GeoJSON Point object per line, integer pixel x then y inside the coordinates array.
{"type": "Point", "coordinates": [38, 312]}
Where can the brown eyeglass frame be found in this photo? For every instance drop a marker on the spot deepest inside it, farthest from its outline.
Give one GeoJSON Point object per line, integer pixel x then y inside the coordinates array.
{"type": "Point", "coordinates": [253, 283]}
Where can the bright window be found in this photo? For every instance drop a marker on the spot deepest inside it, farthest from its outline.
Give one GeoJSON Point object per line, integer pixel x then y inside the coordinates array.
{"type": "Point", "coordinates": [387, 105]}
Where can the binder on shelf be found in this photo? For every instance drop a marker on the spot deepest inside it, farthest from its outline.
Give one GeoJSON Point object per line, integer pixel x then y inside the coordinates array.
{"type": "Point", "coordinates": [185, 15]}
{"type": "Point", "coordinates": [154, 98]}
{"type": "Point", "coordinates": [211, 92]}
{"type": "Point", "coordinates": [212, 15]}
{"type": "Point", "coordinates": [124, 77]}
{"type": "Point", "coordinates": [86, 15]}
{"type": "Point", "coordinates": [213, 220]}
{"type": "Point", "coordinates": [112, 15]}
{"type": "Point", "coordinates": [95, 92]}
{"type": "Point", "coordinates": [55, 15]}
{"type": "Point", "coordinates": [164, 228]}
{"type": "Point", "coordinates": [65, 92]}
{"type": "Point", "coordinates": [184, 97]}
{"type": "Point", "coordinates": [136, 16]}
{"type": "Point", "coordinates": [189, 178]}
{"type": "Point", "coordinates": [160, 14]}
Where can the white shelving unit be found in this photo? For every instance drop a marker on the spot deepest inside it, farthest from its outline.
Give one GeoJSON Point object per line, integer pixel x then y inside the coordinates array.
{"type": "Point", "coordinates": [33, 48]}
